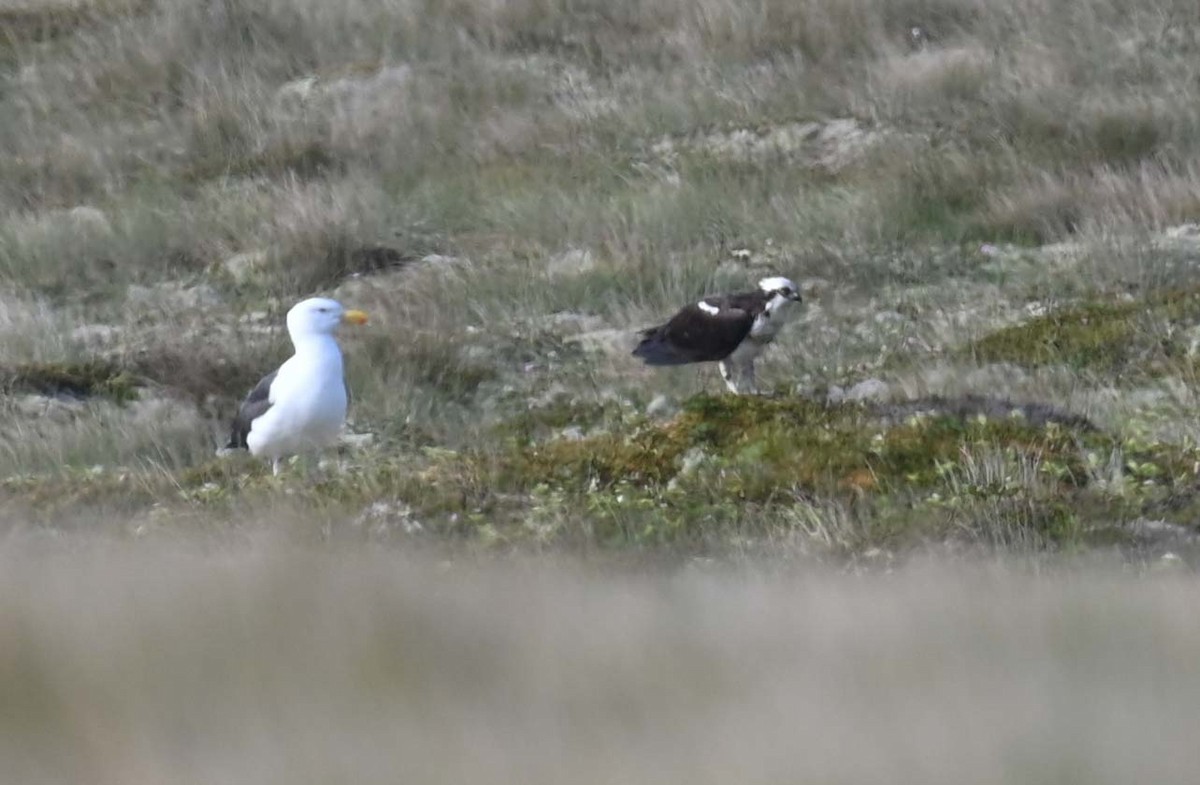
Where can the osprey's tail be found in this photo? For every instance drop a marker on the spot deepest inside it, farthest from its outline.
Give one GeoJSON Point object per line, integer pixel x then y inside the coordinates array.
{"type": "Point", "coordinates": [655, 349]}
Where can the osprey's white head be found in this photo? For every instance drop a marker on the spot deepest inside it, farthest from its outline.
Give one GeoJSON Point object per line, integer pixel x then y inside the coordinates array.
{"type": "Point", "coordinates": [782, 290]}
{"type": "Point", "coordinates": [319, 316]}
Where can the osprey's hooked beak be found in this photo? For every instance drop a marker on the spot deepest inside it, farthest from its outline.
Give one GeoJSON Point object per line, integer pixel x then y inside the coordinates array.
{"type": "Point", "coordinates": [355, 317]}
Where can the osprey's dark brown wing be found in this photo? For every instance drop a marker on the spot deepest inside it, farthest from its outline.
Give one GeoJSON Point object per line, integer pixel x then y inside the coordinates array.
{"type": "Point", "coordinates": [256, 405]}
{"type": "Point", "coordinates": [697, 334]}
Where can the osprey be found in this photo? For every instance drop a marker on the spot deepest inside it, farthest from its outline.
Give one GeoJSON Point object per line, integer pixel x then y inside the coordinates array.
{"type": "Point", "coordinates": [301, 405]}
{"type": "Point", "coordinates": [730, 329]}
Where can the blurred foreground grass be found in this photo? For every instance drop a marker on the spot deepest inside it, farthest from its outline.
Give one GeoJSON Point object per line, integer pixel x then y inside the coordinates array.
{"type": "Point", "coordinates": [283, 664]}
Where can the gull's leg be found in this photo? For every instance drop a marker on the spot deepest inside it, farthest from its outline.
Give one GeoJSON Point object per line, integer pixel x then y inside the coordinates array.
{"type": "Point", "coordinates": [275, 466]}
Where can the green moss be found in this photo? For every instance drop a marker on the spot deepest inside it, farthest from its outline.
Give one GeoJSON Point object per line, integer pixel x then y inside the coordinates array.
{"type": "Point", "coordinates": [760, 448]}
{"type": "Point", "coordinates": [727, 472]}
{"type": "Point", "coordinates": [1102, 336]}
{"type": "Point", "coordinates": [83, 380]}
{"type": "Point", "coordinates": [541, 422]}
{"type": "Point", "coordinates": [737, 464]}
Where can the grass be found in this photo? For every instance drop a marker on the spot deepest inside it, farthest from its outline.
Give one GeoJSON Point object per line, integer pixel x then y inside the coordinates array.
{"type": "Point", "coordinates": [511, 191]}
{"type": "Point", "coordinates": [546, 562]}
{"type": "Point", "coordinates": [1144, 337]}
{"type": "Point", "coordinates": [297, 666]}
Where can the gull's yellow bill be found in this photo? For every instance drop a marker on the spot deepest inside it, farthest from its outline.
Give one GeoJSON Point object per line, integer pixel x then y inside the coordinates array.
{"type": "Point", "coordinates": [355, 317]}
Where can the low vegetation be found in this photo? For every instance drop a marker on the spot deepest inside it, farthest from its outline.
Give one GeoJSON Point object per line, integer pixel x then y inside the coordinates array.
{"type": "Point", "coordinates": [989, 205]}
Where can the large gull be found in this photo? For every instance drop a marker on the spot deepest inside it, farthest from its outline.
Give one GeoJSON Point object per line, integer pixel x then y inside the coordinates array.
{"type": "Point", "coordinates": [301, 406]}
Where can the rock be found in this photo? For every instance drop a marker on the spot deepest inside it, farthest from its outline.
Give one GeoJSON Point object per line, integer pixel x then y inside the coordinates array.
{"type": "Point", "coordinates": [832, 144]}
{"type": "Point", "coordinates": [692, 460]}
{"type": "Point", "coordinates": [1188, 231]}
{"type": "Point", "coordinates": [163, 409]}
{"type": "Point", "coordinates": [550, 396]}
{"type": "Point", "coordinates": [568, 322]}
{"type": "Point", "coordinates": [1150, 533]}
{"type": "Point", "coordinates": [243, 266]}
{"type": "Point", "coordinates": [97, 336]}
{"type": "Point", "coordinates": [475, 353]}
{"type": "Point", "coordinates": [1168, 562]}
{"type": "Point", "coordinates": [296, 91]}
{"type": "Point", "coordinates": [661, 408]}
{"type": "Point", "coordinates": [571, 262]}
{"type": "Point", "coordinates": [440, 259]}
{"type": "Point", "coordinates": [610, 341]}
{"type": "Point", "coordinates": [1182, 238]}
{"type": "Point", "coordinates": [993, 377]}
{"type": "Point", "coordinates": [55, 408]}
{"type": "Point", "coordinates": [868, 390]}
{"type": "Point", "coordinates": [889, 317]}
{"type": "Point", "coordinates": [89, 220]}
{"type": "Point", "coordinates": [381, 517]}
{"type": "Point", "coordinates": [174, 296]}
{"type": "Point", "coordinates": [357, 441]}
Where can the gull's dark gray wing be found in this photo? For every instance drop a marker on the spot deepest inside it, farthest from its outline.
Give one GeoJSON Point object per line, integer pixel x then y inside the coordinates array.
{"type": "Point", "coordinates": [256, 405]}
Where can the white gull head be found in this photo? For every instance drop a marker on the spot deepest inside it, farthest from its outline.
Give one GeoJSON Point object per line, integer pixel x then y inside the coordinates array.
{"type": "Point", "coordinates": [319, 316]}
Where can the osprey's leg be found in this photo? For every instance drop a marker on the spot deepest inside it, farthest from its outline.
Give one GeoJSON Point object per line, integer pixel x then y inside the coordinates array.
{"type": "Point", "coordinates": [739, 376]}
{"type": "Point", "coordinates": [750, 387]}
{"type": "Point", "coordinates": [727, 373]}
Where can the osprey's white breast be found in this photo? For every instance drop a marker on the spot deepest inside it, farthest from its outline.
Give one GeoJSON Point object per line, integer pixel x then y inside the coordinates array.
{"type": "Point", "coordinates": [771, 320]}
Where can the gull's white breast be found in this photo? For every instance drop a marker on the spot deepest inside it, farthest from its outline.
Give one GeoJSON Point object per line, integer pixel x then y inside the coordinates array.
{"type": "Point", "coordinates": [308, 406]}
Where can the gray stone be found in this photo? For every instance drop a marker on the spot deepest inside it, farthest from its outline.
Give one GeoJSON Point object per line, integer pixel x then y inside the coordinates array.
{"type": "Point", "coordinates": [90, 220]}
{"type": "Point", "coordinates": [174, 296]}
{"type": "Point", "coordinates": [357, 440]}
{"type": "Point", "coordinates": [440, 259]}
{"type": "Point", "coordinates": [97, 336]}
{"type": "Point", "coordinates": [607, 341]}
{"type": "Point", "coordinates": [868, 390]}
{"type": "Point", "coordinates": [245, 265]}
{"type": "Point", "coordinates": [571, 262]}
{"type": "Point", "coordinates": [661, 407]}
{"type": "Point", "coordinates": [59, 409]}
